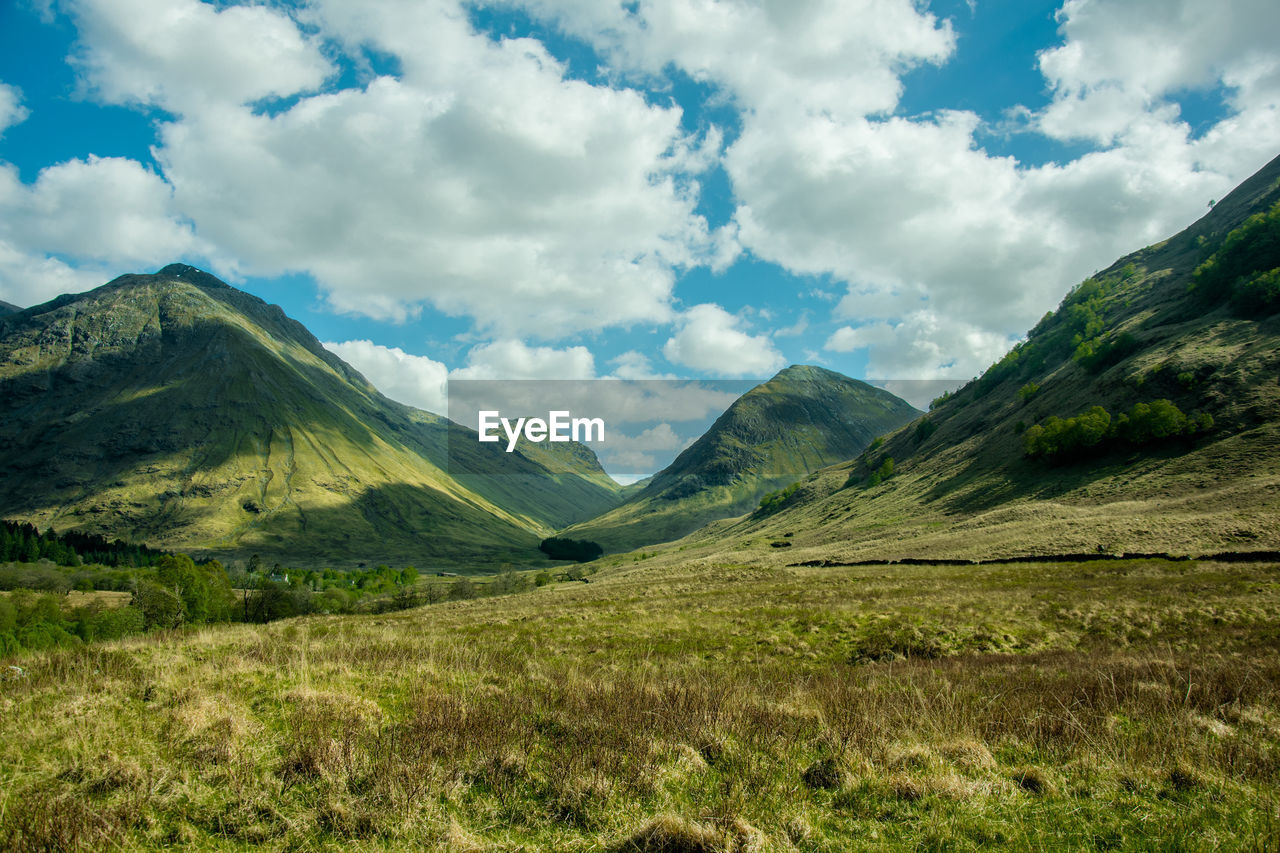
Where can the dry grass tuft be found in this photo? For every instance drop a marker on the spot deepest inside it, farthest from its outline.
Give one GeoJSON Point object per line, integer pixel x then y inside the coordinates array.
{"type": "Point", "coordinates": [673, 834]}
{"type": "Point", "coordinates": [911, 757]}
{"type": "Point", "coordinates": [825, 774]}
{"type": "Point", "coordinates": [968, 755]}
{"type": "Point", "coordinates": [1184, 777]}
{"type": "Point", "coordinates": [1033, 780]}
{"type": "Point", "coordinates": [456, 839]}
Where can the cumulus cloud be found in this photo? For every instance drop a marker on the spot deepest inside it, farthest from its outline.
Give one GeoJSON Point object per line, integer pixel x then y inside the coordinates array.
{"type": "Point", "coordinates": [11, 110]}
{"type": "Point", "coordinates": [27, 279]}
{"type": "Point", "coordinates": [478, 180]}
{"type": "Point", "coordinates": [414, 380]}
{"type": "Point", "coordinates": [657, 437]}
{"type": "Point", "coordinates": [110, 209]}
{"type": "Point", "coordinates": [823, 55]}
{"type": "Point", "coordinates": [1120, 62]}
{"type": "Point", "coordinates": [84, 221]}
{"type": "Point", "coordinates": [910, 212]}
{"type": "Point", "coordinates": [482, 180]}
{"type": "Point", "coordinates": [634, 364]}
{"type": "Point", "coordinates": [184, 54]}
{"type": "Point", "coordinates": [513, 359]}
{"type": "Point", "coordinates": [709, 339]}
{"type": "Point", "coordinates": [922, 346]}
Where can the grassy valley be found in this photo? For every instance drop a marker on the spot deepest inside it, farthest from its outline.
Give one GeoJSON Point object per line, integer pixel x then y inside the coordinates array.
{"type": "Point", "coordinates": [682, 706]}
{"type": "Point", "coordinates": [784, 680]}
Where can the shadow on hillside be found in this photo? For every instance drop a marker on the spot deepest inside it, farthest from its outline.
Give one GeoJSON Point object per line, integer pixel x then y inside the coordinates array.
{"type": "Point", "coordinates": [395, 524]}
{"type": "Point", "coordinates": [978, 488]}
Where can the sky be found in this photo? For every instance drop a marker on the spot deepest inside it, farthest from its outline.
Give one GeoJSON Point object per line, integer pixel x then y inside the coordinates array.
{"type": "Point", "coordinates": [579, 189]}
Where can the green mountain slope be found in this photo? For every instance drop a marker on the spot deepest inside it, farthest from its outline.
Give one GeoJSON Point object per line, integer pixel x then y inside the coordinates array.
{"type": "Point", "coordinates": [1178, 345]}
{"type": "Point", "coordinates": [175, 410]}
{"type": "Point", "coordinates": [8, 308]}
{"type": "Point", "coordinates": [800, 420]}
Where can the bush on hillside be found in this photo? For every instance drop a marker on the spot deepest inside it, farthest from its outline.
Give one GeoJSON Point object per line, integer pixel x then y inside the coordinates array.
{"type": "Point", "coordinates": [1095, 430]}
{"type": "Point", "coordinates": [773, 501]}
{"type": "Point", "coordinates": [1245, 270]}
{"type": "Point", "coordinates": [579, 550]}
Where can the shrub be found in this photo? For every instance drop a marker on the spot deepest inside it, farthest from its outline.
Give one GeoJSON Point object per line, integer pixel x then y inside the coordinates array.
{"type": "Point", "coordinates": [1245, 270]}
{"type": "Point", "coordinates": [825, 774]}
{"type": "Point", "coordinates": [1144, 424]}
{"type": "Point", "coordinates": [884, 472]}
{"type": "Point", "coordinates": [579, 550]}
{"type": "Point", "coordinates": [1096, 355]}
{"type": "Point", "coordinates": [924, 429]}
{"type": "Point", "coordinates": [773, 501]}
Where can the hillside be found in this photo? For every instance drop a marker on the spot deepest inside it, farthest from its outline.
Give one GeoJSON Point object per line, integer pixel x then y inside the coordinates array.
{"type": "Point", "coordinates": [176, 411]}
{"type": "Point", "coordinates": [1020, 462]}
{"type": "Point", "coordinates": [802, 419]}
{"type": "Point", "coordinates": [8, 308]}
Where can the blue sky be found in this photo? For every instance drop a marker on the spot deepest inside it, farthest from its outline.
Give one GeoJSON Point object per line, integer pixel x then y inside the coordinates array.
{"type": "Point", "coordinates": [570, 189]}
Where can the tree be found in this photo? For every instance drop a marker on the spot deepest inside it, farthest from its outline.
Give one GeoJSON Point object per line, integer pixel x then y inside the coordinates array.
{"type": "Point", "coordinates": [462, 589]}
{"type": "Point", "coordinates": [161, 607]}
{"type": "Point", "coordinates": [205, 590]}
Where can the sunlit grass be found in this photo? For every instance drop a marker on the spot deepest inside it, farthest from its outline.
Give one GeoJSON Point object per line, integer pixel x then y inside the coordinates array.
{"type": "Point", "coordinates": [666, 707]}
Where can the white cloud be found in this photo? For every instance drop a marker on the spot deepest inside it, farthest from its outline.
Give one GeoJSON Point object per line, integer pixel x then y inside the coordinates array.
{"type": "Point", "coordinates": [184, 54]}
{"type": "Point", "coordinates": [11, 110]}
{"type": "Point", "coordinates": [1120, 62]}
{"type": "Point", "coordinates": [483, 182]}
{"type": "Point", "coordinates": [27, 279]}
{"type": "Point", "coordinates": [109, 209]}
{"type": "Point", "coordinates": [414, 380]}
{"type": "Point", "coordinates": [841, 56]}
{"type": "Point", "coordinates": [512, 359]}
{"type": "Point", "coordinates": [634, 364]}
{"type": "Point", "coordinates": [657, 437]}
{"type": "Point", "coordinates": [910, 213]}
{"type": "Point", "coordinates": [709, 339]}
{"type": "Point", "coordinates": [922, 346]}
{"type": "Point", "coordinates": [479, 181]}
{"type": "Point", "coordinates": [83, 222]}
{"type": "Point", "coordinates": [643, 453]}
{"type": "Point", "coordinates": [799, 327]}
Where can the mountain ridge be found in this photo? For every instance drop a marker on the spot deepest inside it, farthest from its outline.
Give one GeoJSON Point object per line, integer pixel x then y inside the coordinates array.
{"type": "Point", "coordinates": [176, 410]}
{"type": "Point", "coordinates": [802, 419]}
{"type": "Point", "coordinates": [1142, 331]}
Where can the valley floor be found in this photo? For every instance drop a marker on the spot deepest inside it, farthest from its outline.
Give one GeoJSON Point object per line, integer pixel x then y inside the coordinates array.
{"type": "Point", "coordinates": [1123, 705]}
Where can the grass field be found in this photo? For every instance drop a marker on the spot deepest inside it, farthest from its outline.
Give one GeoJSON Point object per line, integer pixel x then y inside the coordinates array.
{"type": "Point", "coordinates": [1123, 705]}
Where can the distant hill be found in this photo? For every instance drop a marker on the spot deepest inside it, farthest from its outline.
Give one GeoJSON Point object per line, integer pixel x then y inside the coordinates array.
{"type": "Point", "coordinates": [1178, 348]}
{"type": "Point", "coordinates": [799, 421]}
{"type": "Point", "coordinates": [176, 411]}
{"type": "Point", "coordinates": [8, 308]}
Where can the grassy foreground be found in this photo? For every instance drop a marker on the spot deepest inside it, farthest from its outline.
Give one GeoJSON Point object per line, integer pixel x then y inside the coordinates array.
{"type": "Point", "coordinates": [1128, 705]}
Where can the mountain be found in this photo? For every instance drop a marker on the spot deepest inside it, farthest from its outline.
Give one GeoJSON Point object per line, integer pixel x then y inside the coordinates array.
{"type": "Point", "coordinates": [800, 420]}
{"type": "Point", "coordinates": [8, 308]}
{"type": "Point", "coordinates": [176, 411]}
{"type": "Point", "coordinates": [1141, 416]}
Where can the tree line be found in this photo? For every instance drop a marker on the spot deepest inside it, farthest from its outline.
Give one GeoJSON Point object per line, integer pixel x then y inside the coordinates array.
{"type": "Point", "coordinates": [23, 542]}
